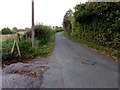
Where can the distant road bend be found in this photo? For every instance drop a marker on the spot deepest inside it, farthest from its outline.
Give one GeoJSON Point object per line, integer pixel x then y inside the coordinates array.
{"type": "Point", "coordinates": [71, 65]}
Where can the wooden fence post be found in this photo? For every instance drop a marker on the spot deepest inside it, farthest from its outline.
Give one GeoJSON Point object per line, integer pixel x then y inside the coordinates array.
{"type": "Point", "coordinates": [16, 42]}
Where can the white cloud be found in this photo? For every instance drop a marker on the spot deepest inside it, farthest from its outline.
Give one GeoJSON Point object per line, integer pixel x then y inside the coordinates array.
{"type": "Point", "coordinates": [18, 12]}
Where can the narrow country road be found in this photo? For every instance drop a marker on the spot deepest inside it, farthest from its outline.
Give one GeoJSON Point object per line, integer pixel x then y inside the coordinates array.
{"type": "Point", "coordinates": [71, 65]}
{"type": "Point", "coordinates": [77, 66]}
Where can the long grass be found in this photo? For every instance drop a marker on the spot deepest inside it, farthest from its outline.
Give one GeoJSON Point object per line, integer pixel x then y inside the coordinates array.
{"type": "Point", "coordinates": [9, 36]}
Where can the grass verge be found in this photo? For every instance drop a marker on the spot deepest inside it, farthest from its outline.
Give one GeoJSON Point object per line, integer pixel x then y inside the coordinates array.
{"type": "Point", "coordinates": [110, 52]}
{"type": "Point", "coordinates": [28, 51]}
{"type": "Point", "coordinates": [26, 48]}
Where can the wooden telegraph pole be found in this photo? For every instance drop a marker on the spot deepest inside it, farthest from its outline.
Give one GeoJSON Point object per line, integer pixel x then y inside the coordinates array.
{"type": "Point", "coordinates": [33, 31]}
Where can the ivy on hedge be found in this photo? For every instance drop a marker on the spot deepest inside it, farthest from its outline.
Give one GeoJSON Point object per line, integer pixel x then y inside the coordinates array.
{"type": "Point", "coordinates": [96, 22]}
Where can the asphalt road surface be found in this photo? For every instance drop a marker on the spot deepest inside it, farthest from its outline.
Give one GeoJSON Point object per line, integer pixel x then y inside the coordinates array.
{"type": "Point", "coordinates": [71, 65]}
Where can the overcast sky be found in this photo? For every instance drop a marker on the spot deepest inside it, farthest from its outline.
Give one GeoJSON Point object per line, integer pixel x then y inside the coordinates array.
{"type": "Point", "coordinates": [17, 13]}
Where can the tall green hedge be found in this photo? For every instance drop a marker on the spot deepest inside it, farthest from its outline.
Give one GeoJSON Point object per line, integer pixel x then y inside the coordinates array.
{"type": "Point", "coordinates": [43, 33]}
{"type": "Point", "coordinates": [97, 22]}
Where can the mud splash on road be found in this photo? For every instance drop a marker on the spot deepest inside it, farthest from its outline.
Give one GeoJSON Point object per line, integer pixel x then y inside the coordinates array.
{"type": "Point", "coordinates": [24, 71]}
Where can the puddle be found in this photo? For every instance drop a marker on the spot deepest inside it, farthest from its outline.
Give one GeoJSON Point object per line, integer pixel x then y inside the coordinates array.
{"type": "Point", "coordinates": [87, 62]}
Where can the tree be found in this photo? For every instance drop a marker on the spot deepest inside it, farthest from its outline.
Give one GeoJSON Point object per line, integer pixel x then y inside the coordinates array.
{"type": "Point", "coordinates": [15, 29]}
{"type": "Point", "coordinates": [26, 29]}
{"type": "Point", "coordinates": [69, 21]}
{"type": "Point", "coordinates": [6, 31]}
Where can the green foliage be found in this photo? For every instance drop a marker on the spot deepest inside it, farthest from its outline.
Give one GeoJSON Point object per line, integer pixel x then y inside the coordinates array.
{"type": "Point", "coordinates": [58, 29]}
{"type": "Point", "coordinates": [43, 33]}
{"type": "Point", "coordinates": [68, 21]}
{"type": "Point", "coordinates": [7, 31]}
{"type": "Point", "coordinates": [44, 41]}
{"type": "Point", "coordinates": [14, 29]}
{"type": "Point", "coordinates": [25, 47]}
{"type": "Point", "coordinates": [6, 46]}
{"type": "Point", "coordinates": [96, 22]}
{"type": "Point", "coordinates": [28, 51]}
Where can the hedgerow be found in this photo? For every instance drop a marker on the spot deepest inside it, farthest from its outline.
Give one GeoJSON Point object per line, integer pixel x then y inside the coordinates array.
{"type": "Point", "coordinates": [97, 22]}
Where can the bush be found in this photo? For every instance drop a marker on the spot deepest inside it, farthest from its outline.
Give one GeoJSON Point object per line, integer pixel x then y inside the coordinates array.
{"type": "Point", "coordinates": [28, 51]}
{"type": "Point", "coordinates": [26, 47]}
{"type": "Point", "coordinates": [7, 46]}
{"type": "Point", "coordinates": [43, 33]}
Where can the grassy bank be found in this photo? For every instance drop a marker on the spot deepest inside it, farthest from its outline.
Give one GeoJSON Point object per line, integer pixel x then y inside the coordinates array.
{"type": "Point", "coordinates": [28, 51]}
{"type": "Point", "coordinates": [111, 52]}
{"type": "Point", "coordinates": [26, 48]}
{"type": "Point", "coordinates": [43, 49]}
